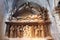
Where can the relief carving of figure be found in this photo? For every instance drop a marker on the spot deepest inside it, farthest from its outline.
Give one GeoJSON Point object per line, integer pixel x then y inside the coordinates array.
{"type": "Point", "coordinates": [11, 31]}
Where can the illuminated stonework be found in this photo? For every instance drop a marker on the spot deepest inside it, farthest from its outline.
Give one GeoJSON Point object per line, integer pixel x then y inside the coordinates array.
{"type": "Point", "coordinates": [32, 21]}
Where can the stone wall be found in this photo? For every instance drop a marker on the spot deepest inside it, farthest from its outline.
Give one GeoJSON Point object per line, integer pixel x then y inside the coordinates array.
{"type": "Point", "coordinates": [1, 18]}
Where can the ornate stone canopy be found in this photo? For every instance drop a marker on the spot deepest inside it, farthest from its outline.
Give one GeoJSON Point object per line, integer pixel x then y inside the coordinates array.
{"type": "Point", "coordinates": [30, 20]}
{"type": "Point", "coordinates": [30, 10]}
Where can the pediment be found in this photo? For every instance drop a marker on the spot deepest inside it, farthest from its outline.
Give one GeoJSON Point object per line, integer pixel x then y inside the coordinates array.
{"type": "Point", "coordinates": [30, 12]}
{"type": "Point", "coordinates": [29, 8]}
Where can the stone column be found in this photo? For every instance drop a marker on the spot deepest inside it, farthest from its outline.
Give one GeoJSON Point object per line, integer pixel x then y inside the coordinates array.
{"type": "Point", "coordinates": [1, 19]}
